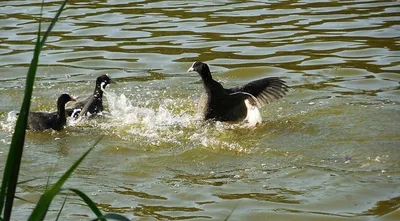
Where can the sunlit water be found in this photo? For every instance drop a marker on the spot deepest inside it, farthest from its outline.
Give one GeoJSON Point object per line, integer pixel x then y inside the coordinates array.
{"type": "Point", "coordinates": [328, 151]}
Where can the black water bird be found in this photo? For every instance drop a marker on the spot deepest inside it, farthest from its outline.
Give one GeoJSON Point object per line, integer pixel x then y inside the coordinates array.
{"type": "Point", "coordinates": [94, 103]}
{"type": "Point", "coordinates": [39, 121]}
{"type": "Point", "coordinates": [238, 103]}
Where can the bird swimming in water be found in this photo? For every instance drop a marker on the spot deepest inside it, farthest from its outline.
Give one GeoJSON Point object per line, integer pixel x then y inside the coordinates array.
{"type": "Point", "coordinates": [238, 103]}
{"type": "Point", "coordinates": [39, 121]}
{"type": "Point", "coordinates": [94, 103]}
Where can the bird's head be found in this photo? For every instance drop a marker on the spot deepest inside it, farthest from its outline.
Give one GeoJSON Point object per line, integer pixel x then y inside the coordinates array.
{"type": "Point", "coordinates": [65, 98]}
{"type": "Point", "coordinates": [103, 80]}
{"type": "Point", "coordinates": [202, 69]}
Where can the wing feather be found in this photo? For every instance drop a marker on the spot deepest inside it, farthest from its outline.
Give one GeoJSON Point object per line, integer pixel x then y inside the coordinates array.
{"type": "Point", "coordinates": [264, 90]}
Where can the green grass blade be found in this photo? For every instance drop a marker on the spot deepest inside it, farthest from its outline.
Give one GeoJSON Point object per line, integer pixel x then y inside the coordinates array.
{"type": "Point", "coordinates": [27, 181]}
{"type": "Point", "coordinates": [11, 170]}
{"type": "Point", "coordinates": [62, 207]}
{"type": "Point", "coordinates": [53, 22]}
{"type": "Point", "coordinates": [40, 210]}
{"type": "Point", "coordinates": [89, 202]}
{"type": "Point", "coordinates": [113, 216]}
{"type": "Point", "coordinates": [22, 199]}
{"type": "Point", "coordinates": [48, 179]}
{"type": "Point", "coordinates": [92, 205]}
{"type": "Point", "coordinates": [230, 214]}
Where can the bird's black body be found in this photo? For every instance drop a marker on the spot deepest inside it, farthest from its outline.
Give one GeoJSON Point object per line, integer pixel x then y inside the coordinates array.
{"type": "Point", "coordinates": [39, 121]}
{"type": "Point", "coordinates": [222, 104]}
{"type": "Point", "coordinates": [94, 103]}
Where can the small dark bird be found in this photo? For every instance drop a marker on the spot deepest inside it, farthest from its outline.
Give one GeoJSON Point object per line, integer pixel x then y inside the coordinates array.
{"type": "Point", "coordinates": [39, 121]}
{"type": "Point", "coordinates": [94, 103]}
{"type": "Point", "coordinates": [238, 103]}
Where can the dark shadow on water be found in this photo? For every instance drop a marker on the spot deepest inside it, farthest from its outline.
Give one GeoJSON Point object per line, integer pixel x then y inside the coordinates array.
{"type": "Point", "coordinates": [383, 207]}
{"type": "Point", "coordinates": [128, 191]}
{"type": "Point", "coordinates": [154, 211]}
{"type": "Point", "coordinates": [153, 76]}
{"type": "Point", "coordinates": [200, 179]}
{"type": "Point", "coordinates": [110, 209]}
{"type": "Point", "coordinates": [270, 197]}
{"type": "Point", "coordinates": [312, 212]}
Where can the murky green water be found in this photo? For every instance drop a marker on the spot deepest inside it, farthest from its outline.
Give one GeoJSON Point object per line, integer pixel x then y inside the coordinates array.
{"type": "Point", "coordinates": [329, 151]}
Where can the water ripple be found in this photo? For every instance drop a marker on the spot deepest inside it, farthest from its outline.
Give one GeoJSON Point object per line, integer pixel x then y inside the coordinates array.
{"type": "Point", "coordinates": [329, 150]}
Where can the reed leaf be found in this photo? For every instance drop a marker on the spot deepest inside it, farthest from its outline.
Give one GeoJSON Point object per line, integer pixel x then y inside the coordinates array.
{"type": "Point", "coordinates": [53, 22]}
{"type": "Point", "coordinates": [113, 216]}
{"type": "Point", "coordinates": [89, 202]}
{"type": "Point", "coordinates": [40, 210]}
{"type": "Point", "coordinates": [230, 214]}
{"type": "Point", "coordinates": [62, 207]}
{"type": "Point", "coordinates": [22, 199]}
{"type": "Point", "coordinates": [92, 205]}
{"type": "Point", "coordinates": [11, 170]}
{"type": "Point", "coordinates": [29, 180]}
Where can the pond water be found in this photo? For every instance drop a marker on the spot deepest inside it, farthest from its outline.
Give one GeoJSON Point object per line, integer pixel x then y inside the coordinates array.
{"type": "Point", "coordinates": [329, 150]}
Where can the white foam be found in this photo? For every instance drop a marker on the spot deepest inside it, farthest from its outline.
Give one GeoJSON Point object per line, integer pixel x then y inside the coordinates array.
{"type": "Point", "coordinates": [9, 123]}
{"type": "Point", "coordinates": [164, 124]}
{"type": "Point", "coordinates": [157, 125]}
{"type": "Point", "coordinates": [154, 120]}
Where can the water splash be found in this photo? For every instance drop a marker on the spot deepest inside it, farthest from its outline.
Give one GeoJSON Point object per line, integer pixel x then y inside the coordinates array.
{"type": "Point", "coordinates": [9, 123]}
{"type": "Point", "coordinates": [153, 121]}
{"type": "Point", "coordinates": [167, 122]}
{"type": "Point", "coordinates": [155, 125]}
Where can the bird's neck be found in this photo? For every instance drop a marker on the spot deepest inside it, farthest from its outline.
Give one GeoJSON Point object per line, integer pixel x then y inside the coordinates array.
{"type": "Point", "coordinates": [211, 86]}
{"type": "Point", "coordinates": [98, 92]}
{"type": "Point", "coordinates": [207, 80]}
{"type": "Point", "coordinates": [61, 113]}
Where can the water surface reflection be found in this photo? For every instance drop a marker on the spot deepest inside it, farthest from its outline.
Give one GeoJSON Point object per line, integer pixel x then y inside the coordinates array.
{"type": "Point", "coordinates": [328, 151]}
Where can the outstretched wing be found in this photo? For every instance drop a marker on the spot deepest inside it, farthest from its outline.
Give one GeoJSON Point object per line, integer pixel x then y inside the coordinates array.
{"type": "Point", "coordinates": [263, 91]}
{"type": "Point", "coordinates": [85, 108]}
{"type": "Point", "coordinates": [74, 109]}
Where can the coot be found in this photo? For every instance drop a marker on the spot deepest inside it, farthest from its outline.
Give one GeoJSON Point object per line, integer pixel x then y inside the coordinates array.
{"type": "Point", "coordinates": [39, 121]}
{"type": "Point", "coordinates": [238, 103]}
{"type": "Point", "coordinates": [94, 103]}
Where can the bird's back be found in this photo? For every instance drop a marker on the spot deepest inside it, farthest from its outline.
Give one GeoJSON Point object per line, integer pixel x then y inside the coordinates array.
{"type": "Point", "coordinates": [39, 121]}
{"type": "Point", "coordinates": [219, 104]}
